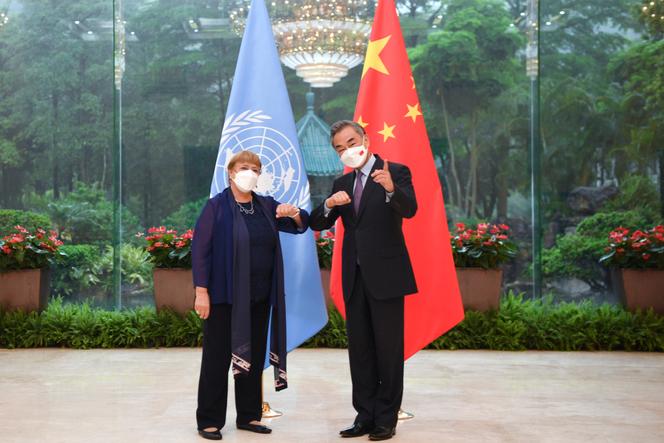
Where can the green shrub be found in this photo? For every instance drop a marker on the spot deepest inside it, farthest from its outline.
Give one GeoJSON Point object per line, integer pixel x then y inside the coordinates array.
{"type": "Point", "coordinates": [81, 327]}
{"type": "Point", "coordinates": [599, 225]}
{"type": "Point", "coordinates": [577, 255]}
{"type": "Point", "coordinates": [519, 325]}
{"type": "Point", "coordinates": [186, 216]}
{"type": "Point", "coordinates": [637, 193]}
{"type": "Point", "coordinates": [85, 216]}
{"type": "Point", "coordinates": [88, 266]}
{"type": "Point", "coordinates": [136, 266]}
{"type": "Point", "coordinates": [29, 220]}
{"type": "Point", "coordinates": [80, 270]}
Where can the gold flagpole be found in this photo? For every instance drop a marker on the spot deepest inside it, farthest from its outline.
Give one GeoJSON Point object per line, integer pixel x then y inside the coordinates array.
{"type": "Point", "coordinates": [268, 412]}
{"type": "Point", "coordinates": [403, 415]}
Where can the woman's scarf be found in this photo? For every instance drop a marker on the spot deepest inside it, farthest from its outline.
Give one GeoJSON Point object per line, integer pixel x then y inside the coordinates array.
{"type": "Point", "coordinates": [240, 287]}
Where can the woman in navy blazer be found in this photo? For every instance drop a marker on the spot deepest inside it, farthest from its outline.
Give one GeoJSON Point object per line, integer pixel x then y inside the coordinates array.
{"type": "Point", "coordinates": [238, 275]}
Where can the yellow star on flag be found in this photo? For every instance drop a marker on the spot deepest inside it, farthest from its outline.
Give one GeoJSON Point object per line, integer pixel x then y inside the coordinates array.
{"type": "Point", "coordinates": [372, 59]}
{"type": "Point", "coordinates": [361, 123]}
{"type": "Point", "coordinates": [387, 131]}
{"type": "Point", "coordinates": [413, 112]}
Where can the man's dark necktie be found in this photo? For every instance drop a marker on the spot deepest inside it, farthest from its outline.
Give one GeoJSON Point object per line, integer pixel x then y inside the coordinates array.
{"type": "Point", "coordinates": [357, 193]}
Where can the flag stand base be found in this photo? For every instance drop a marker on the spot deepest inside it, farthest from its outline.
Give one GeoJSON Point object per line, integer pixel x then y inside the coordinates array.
{"type": "Point", "coordinates": [403, 415]}
{"type": "Point", "coordinates": [268, 412]}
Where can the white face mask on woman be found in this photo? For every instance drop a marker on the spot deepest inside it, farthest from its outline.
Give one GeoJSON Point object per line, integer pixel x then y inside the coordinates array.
{"type": "Point", "coordinates": [245, 180]}
{"type": "Point", "coordinates": [354, 157]}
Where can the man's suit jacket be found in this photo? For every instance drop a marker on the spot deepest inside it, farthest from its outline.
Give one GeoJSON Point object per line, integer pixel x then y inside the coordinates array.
{"type": "Point", "coordinates": [374, 237]}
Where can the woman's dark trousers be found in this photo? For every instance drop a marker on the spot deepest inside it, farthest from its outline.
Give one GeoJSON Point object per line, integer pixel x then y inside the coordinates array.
{"type": "Point", "coordinates": [213, 382]}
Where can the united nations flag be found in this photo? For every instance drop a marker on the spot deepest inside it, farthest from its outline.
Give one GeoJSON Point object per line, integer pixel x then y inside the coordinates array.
{"type": "Point", "coordinates": [259, 118]}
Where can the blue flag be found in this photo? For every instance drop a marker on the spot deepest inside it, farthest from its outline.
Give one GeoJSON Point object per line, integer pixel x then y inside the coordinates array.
{"type": "Point", "coordinates": [259, 118]}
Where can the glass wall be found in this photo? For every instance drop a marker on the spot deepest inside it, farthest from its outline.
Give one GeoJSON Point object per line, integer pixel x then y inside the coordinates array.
{"type": "Point", "coordinates": [601, 135]}
{"type": "Point", "coordinates": [111, 112]}
{"type": "Point", "coordinates": [56, 133]}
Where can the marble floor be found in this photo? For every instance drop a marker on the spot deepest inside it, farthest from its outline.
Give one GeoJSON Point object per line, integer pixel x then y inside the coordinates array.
{"type": "Point", "coordinates": [58, 395]}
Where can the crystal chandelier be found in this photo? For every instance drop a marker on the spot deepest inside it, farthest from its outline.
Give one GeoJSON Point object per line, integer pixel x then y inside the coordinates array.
{"type": "Point", "coordinates": [320, 39]}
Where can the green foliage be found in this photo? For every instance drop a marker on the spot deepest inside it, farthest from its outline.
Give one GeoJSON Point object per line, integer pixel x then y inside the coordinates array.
{"type": "Point", "coordinates": [537, 325]}
{"type": "Point", "coordinates": [186, 216]}
{"type": "Point", "coordinates": [473, 92]}
{"type": "Point", "coordinates": [29, 220]}
{"type": "Point", "coordinates": [577, 254]}
{"type": "Point", "coordinates": [89, 268]}
{"type": "Point", "coordinates": [333, 335]}
{"type": "Point", "coordinates": [84, 327]}
{"type": "Point", "coordinates": [136, 266]}
{"type": "Point", "coordinates": [56, 107]}
{"type": "Point", "coordinates": [543, 325]}
{"type": "Point", "coordinates": [86, 216]}
{"type": "Point", "coordinates": [639, 194]}
{"type": "Point", "coordinates": [9, 155]}
{"type": "Point", "coordinates": [518, 325]}
{"type": "Point", "coordinates": [324, 248]}
{"type": "Point", "coordinates": [80, 270]}
{"type": "Point", "coordinates": [582, 119]}
{"type": "Point", "coordinates": [599, 225]}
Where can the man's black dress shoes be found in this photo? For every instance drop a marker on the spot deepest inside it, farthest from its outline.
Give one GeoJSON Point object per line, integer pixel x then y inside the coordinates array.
{"type": "Point", "coordinates": [210, 435]}
{"type": "Point", "coordinates": [259, 429]}
{"type": "Point", "coordinates": [357, 430]}
{"type": "Point", "coordinates": [382, 433]}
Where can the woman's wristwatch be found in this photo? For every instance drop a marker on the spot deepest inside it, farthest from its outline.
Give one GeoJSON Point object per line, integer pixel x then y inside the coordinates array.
{"type": "Point", "coordinates": [296, 214]}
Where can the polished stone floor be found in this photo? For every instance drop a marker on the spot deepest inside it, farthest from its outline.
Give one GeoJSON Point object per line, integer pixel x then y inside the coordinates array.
{"type": "Point", "coordinates": [57, 395]}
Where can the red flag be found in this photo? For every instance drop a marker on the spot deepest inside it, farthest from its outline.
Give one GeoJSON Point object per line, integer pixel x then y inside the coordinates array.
{"type": "Point", "coordinates": [389, 110]}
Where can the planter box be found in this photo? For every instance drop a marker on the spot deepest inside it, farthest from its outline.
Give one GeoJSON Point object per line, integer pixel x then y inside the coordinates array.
{"type": "Point", "coordinates": [174, 289]}
{"type": "Point", "coordinates": [480, 288]}
{"type": "Point", "coordinates": [640, 288]}
{"type": "Point", "coordinates": [25, 289]}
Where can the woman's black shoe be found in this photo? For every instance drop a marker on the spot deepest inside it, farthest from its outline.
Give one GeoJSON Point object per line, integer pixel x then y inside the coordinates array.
{"type": "Point", "coordinates": [210, 435]}
{"type": "Point", "coordinates": [259, 429]}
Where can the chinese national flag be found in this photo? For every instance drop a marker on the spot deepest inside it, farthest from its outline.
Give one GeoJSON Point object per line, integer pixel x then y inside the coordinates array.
{"type": "Point", "coordinates": [389, 110]}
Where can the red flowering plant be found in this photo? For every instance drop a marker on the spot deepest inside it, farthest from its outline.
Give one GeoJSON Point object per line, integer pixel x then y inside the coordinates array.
{"type": "Point", "coordinates": [324, 247]}
{"type": "Point", "coordinates": [24, 249]}
{"type": "Point", "coordinates": [635, 249]}
{"type": "Point", "coordinates": [483, 246]}
{"type": "Point", "coordinates": [167, 248]}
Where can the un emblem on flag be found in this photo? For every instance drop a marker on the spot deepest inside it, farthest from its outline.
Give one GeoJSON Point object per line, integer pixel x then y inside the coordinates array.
{"type": "Point", "coordinates": [282, 175]}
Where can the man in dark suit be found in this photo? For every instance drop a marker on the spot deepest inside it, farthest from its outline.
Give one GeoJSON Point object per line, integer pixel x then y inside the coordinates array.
{"type": "Point", "coordinates": [372, 201]}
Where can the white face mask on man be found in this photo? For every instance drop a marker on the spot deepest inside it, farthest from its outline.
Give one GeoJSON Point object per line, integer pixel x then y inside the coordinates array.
{"type": "Point", "coordinates": [354, 157]}
{"type": "Point", "coordinates": [245, 180]}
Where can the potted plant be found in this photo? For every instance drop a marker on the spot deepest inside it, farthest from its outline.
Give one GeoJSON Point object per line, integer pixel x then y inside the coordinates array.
{"type": "Point", "coordinates": [170, 254]}
{"type": "Point", "coordinates": [25, 257]}
{"type": "Point", "coordinates": [636, 259]}
{"type": "Point", "coordinates": [478, 253]}
{"type": "Point", "coordinates": [324, 247]}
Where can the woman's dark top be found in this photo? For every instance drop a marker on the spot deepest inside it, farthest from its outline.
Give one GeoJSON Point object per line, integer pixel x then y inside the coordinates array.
{"type": "Point", "coordinates": [213, 245]}
{"type": "Point", "coordinates": [262, 248]}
